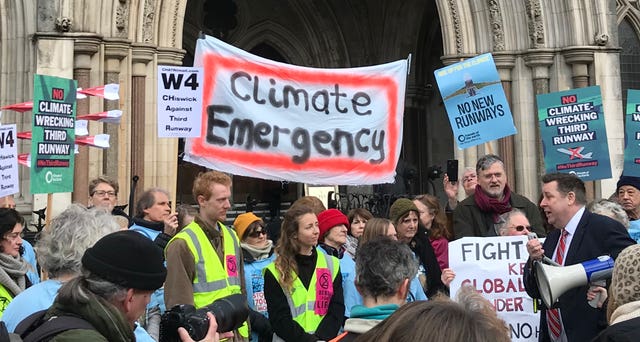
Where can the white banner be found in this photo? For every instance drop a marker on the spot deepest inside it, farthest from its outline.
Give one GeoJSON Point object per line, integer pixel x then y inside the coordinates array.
{"type": "Point", "coordinates": [277, 121]}
{"type": "Point", "coordinates": [9, 183]}
{"type": "Point", "coordinates": [494, 266]}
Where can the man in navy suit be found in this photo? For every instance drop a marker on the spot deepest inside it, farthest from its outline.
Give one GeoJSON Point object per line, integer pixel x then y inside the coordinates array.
{"type": "Point", "coordinates": [586, 236]}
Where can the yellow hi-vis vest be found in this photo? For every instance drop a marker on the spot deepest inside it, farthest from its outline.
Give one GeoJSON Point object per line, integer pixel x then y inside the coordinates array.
{"type": "Point", "coordinates": [302, 302]}
{"type": "Point", "coordinates": [5, 298]}
{"type": "Point", "coordinates": [213, 280]}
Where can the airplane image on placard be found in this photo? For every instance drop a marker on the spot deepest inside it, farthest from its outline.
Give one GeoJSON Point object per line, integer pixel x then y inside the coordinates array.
{"type": "Point", "coordinates": [575, 152]}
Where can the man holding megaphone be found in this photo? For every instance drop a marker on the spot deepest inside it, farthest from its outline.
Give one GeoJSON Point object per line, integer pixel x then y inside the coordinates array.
{"type": "Point", "coordinates": [579, 236]}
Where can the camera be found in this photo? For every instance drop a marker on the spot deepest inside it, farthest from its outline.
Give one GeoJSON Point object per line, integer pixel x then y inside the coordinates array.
{"type": "Point", "coordinates": [230, 312]}
{"type": "Point", "coordinates": [434, 172]}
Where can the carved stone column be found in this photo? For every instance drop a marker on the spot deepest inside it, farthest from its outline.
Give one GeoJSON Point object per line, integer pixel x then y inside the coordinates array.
{"type": "Point", "coordinates": [170, 56]}
{"type": "Point", "coordinates": [114, 51]}
{"type": "Point", "coordinates": [505, 63]}
{"type": "Point", "coordinates": [142, 54]}
{"type": "Point", "coordinates": [580, 58]}
{"type": "Point", "coordinates": [539, 60]}
{"type": "Point", "coordinates": [84, 48]}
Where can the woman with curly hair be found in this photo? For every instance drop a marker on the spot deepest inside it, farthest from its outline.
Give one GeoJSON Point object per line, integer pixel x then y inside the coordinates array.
{"type": "Point", "coordinates": [303, 287]}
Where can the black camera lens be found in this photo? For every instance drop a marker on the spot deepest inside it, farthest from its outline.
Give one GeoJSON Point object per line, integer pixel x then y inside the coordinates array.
{"type": "Point", "coordinates": [230, 312]}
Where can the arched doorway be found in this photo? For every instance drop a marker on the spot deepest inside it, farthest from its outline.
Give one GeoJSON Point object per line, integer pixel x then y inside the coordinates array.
{"type": "Point", "coordinates": [334, 34]}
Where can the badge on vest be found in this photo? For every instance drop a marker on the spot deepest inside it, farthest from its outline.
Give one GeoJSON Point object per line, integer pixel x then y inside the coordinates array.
{"type": "Point", "coordinates": [324, 291]}
{"type": "Point", "coordinates": [232, 266]}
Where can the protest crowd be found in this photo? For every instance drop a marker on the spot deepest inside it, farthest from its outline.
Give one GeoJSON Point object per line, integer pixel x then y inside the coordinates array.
{"type": "Point", "coordinates": [330, 276]}
{"type": "Point", "coordinates": [235, 170]}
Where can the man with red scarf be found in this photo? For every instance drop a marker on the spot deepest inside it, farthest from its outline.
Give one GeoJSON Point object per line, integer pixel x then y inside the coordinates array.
{"type": "Point", "coordinates": [478, 214]}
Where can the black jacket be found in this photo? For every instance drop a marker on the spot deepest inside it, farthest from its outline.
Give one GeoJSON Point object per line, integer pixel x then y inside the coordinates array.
{"type": "Point", "coordinates": [626, 331]}
{"type": "Point", "coordinates": [469, 220]}
{"type": "Point", "coordinates": [421, 247]}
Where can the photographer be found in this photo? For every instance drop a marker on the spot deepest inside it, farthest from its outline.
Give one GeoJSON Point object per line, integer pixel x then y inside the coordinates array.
{"type": "Point", "coordinates": [119, 274]}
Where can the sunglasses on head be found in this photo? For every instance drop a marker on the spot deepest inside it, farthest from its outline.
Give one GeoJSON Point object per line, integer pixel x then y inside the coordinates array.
{"type": "Point", "coordinates": [257, 232]}
{"type": "Point", "coordinates": [521, 228]}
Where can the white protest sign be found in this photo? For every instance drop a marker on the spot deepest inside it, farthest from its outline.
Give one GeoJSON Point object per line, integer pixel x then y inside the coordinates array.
{"type": "Point", "coordinates": [284, 122]}
{"type": "Point", "coordinates": [179, 102]}
{"type": "Point", "coordinates": [494, 266]}
{"type": "Point", "coordinates": [8, 160]}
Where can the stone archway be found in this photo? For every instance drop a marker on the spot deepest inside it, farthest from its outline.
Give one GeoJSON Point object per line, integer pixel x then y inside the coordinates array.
{"type": "Point", "coordinates": [349, 34]}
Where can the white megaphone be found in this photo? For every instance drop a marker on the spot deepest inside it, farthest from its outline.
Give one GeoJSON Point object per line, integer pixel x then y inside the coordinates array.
{"type": "Point", "coordinates": [553, 281]}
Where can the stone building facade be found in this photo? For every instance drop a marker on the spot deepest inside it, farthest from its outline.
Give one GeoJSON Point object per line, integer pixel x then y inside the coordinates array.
{"type": "Point", "coordinates": [539, 46]}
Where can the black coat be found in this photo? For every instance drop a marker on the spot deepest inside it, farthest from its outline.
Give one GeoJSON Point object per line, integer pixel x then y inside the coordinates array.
{"type": "Point", "coordinates": [421, 246]}
{"type": "Point", "coordinates": [626, 331]}
{"type": "Point", "coordinates": [469, 220]}
{"type": "Point", "coordinates": [595, 235]}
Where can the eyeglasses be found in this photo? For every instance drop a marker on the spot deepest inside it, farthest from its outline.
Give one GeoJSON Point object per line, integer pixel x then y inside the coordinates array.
{"type": "Point", "coordinates": [102, 193]}
{"type": "Point", "coordinates": [521, 228]}
{"type": "Point", "coordinates": [256, 233]}
{"type": "Point", "coordinates": [469, 178]}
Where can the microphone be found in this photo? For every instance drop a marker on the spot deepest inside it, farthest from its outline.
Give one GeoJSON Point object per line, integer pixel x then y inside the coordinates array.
{"type": "Point", "coordinates": [545, 259]}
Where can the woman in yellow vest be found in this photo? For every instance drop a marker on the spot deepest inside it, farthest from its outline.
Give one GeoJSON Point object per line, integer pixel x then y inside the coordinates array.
{"type": "Point", "coordinates": [303, 287]}
{"type": "Point", "coordinates": [13, 268]}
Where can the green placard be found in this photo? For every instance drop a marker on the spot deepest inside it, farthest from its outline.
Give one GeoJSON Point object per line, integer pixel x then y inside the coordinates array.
{"type": "Point", "coordinates": [53, 134]}
{"type": "Point", "coordinates": [574, 137]}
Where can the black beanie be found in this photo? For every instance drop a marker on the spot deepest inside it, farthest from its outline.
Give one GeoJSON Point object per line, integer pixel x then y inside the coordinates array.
{"type": "Point", "coordinates": [128, 259]}
{"type": "Point", "coordinates": [628, 180]}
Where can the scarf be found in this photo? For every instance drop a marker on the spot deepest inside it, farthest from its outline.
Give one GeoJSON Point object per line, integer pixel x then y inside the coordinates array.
{"type": "Point", "coordinates": [351, 246]}
{"type": "Point", "coordinates": [625, 312]}
{"type": "Point", "coordinates": [258, 253]}
{"type": "Point", "coordinates": [12, 273]}
{"type": "Point", "coordinates": [377, 312]}
{"type": "Point", "coordinates": [332, 251]}
{"type": "Point", "coordinates": [493, 205]}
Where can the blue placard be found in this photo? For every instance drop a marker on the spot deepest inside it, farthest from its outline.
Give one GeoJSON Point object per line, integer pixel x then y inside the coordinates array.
{"type": "Point", "coordinates": [473, 96]}
{"type": "Point", "coordinates": [574, 137]}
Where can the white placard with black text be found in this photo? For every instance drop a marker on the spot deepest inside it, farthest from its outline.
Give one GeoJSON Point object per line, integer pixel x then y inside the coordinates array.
{"type": "Point", "coordinates": [494, 266]}
{"type": "Point", "coordinates": [179, 101]}
{"type": "Point", "coordinates": [8, 160]}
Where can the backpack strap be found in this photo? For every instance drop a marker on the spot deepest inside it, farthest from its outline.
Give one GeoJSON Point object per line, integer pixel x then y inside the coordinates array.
{"type": "Point", "coordinates": [4, 332]}
{"type": "Point", "coordinates": [35, 328]}
{"type": "Point", "coordinates": [31, 322]}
